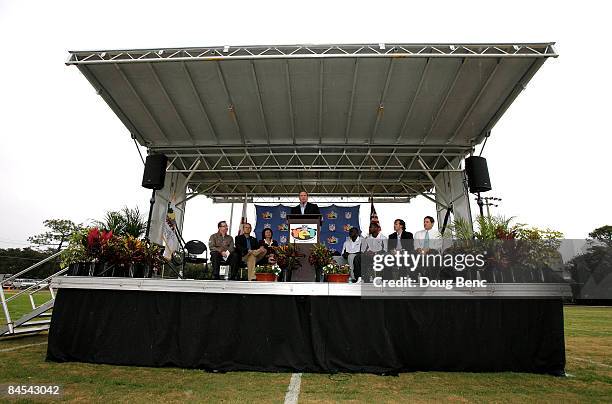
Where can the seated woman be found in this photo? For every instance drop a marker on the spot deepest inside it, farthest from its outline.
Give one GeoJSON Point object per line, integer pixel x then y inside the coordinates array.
{"type": "Point", "coordinates": [267, 242]}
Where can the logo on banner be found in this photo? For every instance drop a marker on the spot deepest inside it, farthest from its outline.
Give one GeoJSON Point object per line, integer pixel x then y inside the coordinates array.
{"type": "Point", "coordinates": [346, 227]}
{"type": "Point", "coordinates": [283, 214]}
{"type": "Point", "coordinates": [267, 226]}
{"type": "Point", "coordinates": [283, 239]}
{"type": "Point", "coordinates": [332, 240]}
{"type": "Point", "coordinates": [283, 227]}
{"type": "Point", "coordinates": [332, 227]}
{"type": "Point", "coordinates": [348, 215]}
{"type": "Point", "coordinates": [266, 215]}
{"type": "Point", "coordinates": [332, 215]}
{"type": "Point", "coordinates": [304, 233]}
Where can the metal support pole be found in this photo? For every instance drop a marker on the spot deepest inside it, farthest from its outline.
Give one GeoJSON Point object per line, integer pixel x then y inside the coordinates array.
{"type": "Point", "coordinates": [7, 315]}
{"type": "Point", "coordinates": [152, 202]}
{"type": "Point", "coordinates": [229, 231]}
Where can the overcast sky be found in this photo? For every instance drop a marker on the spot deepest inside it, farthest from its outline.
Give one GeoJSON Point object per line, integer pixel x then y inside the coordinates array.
{"type": "Point", "coordinates": [64, 154]}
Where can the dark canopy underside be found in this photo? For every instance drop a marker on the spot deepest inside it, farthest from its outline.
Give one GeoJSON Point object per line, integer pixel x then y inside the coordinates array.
{"type": "Point", "coordinates": [337, 120]}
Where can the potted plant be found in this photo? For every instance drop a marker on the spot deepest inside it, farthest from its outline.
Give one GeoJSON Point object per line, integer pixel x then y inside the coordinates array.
{"type": "Point", "coordinates": [287, 259]}
{"type": "Point", "coordinates": [75, 255]}
{"type": "Point", "coordinates": [266, 273]}
{"type": "Point", "coordinates": [336, 273]}
{"type": "Point", "coordinates": [319, 256]}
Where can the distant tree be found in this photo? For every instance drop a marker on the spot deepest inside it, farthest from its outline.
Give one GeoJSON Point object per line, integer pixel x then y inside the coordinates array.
{"type": "Point", "coordinates": [13, 260]}
{"type": "Point", "coordinates": [602, 234]}
{"type": "Point", "coordinates": [58, 234]}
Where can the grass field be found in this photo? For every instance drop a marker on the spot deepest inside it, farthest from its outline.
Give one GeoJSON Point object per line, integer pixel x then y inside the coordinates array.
{"type": "Point", "coordinates": [589, 365]}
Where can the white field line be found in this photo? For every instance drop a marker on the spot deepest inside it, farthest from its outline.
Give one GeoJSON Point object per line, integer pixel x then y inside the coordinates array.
{"type": "Point", "coordinates": [21, 346]}
{"type": "Point", "coordinates": [293, 391]}
{"type": "Point", "coordinates": [590, 361]}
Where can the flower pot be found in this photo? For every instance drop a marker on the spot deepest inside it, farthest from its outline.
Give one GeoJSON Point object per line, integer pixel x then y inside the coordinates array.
{"type": "Point", "coordinates": [265, 277]}
{"type": "Point", "coordinates": [139, 270]}
{"type": "Point", "coordinates": [337, 278]}
{"type": "Point", "coordinates": [78, 269]}
{"type": "Point", "coordinates": [286, 275]}
{"type": "Point", "coordinates": [102, 269]}
{"type": "Point", "coordinates": [318, 274]}
{"type": "Point", "coordinates": [121, 271]}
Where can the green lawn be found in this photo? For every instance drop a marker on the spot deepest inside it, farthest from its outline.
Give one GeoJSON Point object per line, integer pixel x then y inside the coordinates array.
{"type": "Point", "coordinates": [21, 305]}
{"type": "Point", "coordinates": [589, 364]}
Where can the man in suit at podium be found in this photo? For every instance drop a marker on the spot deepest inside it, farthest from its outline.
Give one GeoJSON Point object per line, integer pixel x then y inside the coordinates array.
{"type": "Point", "coordinates": [305, 207]}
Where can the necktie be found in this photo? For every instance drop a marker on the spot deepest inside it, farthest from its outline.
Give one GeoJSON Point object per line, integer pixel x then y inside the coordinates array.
{"type": "Point", "coordinates": [426, 242]}
{"type": "Point", "coordinates": [399, 242]}
{"type": "Point", "coordinates": [248, 239]}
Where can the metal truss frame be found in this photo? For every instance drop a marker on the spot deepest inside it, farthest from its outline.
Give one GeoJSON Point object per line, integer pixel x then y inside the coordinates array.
{"type": "Point", "coordinates": [530, 50]}
{"type": "Point", "coordinates": [383, 171]}
{"type": "Point", "coordinates": [318, 158]}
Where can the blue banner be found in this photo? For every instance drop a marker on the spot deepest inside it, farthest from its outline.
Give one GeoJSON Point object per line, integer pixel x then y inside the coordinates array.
{"type": "Point", "coordinates": [337, 220]}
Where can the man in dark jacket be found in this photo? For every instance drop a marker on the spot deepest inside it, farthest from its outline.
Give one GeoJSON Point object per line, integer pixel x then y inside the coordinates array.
{"type": "Point", "coordinates": [400, 239]}
{"type": "Point", "coordinates": [305, 207]}
{"type": "Point", "coordinates": [249, 249]}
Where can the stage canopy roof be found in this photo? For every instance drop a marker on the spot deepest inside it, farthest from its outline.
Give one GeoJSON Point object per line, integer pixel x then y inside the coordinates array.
{"type": "Point", "coordinates": [337, 120]}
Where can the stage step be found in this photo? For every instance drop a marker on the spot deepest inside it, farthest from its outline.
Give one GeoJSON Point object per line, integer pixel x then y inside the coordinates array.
{"type": "Point", "coordinates": [18, 324]}
{"type": "Point", "coordinates": [36, 323]}
{"type": "Point", "coordinates": [30, 330]}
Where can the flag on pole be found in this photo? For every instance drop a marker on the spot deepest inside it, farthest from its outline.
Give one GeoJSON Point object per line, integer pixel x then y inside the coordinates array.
{"type": "Point", "coordinates": [168, 232]}
{"type": "Point", "coordinates": [373, 214]}
{"type": "Point", "coordinates": [243, 220]}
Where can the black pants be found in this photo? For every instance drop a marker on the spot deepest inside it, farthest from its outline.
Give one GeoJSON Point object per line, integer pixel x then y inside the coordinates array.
{"type": "Point", "coordinates": [232, 260]}
{"type": "Point", "coordinates": [363, 266]}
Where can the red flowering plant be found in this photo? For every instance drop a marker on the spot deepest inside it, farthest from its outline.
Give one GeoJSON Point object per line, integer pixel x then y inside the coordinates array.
{"type": "Point", "coordinates": [320, 255]}
{"type": "Point", "coordinates": [287, 256]}
{"type": "Point", "coordinates": [98, 244]}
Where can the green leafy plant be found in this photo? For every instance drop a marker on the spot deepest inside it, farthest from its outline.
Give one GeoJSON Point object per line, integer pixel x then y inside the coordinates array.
{"type": "Point", "coordinates": [334, 268]}
{"type": "Point", "coordinates": [123, 222]}
{"type": "Point", "coordinates": [76, 250]}
{"type": "Point", "coordinates": [268, 269]}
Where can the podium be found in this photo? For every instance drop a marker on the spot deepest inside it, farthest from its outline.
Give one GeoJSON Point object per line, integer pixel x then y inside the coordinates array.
{"type": "Point", "coordinates": [304, 231]}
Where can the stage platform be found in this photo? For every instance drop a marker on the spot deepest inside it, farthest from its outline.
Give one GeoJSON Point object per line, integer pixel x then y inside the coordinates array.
{"type": "Point", "coordinates": [308, 327]}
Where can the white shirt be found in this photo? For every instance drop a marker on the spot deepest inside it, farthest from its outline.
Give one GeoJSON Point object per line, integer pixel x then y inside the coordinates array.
{"type": "Point", "coordinates": [374, 244]}
{"type": "Point", "coordinates": [435, 241]}
{"type": "Point", "coordinates": [352, 247]}
{"type": "Point", "coordinates": [303, 207]}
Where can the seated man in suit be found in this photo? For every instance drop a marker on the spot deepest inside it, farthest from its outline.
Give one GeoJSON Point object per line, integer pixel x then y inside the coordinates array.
{"type": "Point", "coordinates": [221, 247]}
{"type": "Point", "coordinates": [305, 207]}
{"type": "Point", "coordinates": [428, 240]}
{"type": "Point", "coordinates": [249, 249]}
{"type": "Point", "coordinates": [398, 240]}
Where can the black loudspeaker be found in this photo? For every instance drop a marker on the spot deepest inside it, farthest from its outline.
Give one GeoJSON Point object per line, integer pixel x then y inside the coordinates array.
{"type": "Point", "coordinates": [477, 174]}
{"type": "Point", "coordinates": [155, 171]}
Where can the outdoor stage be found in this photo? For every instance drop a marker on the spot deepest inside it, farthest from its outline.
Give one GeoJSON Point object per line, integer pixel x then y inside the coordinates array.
{"type": "Point", "coordinates": [307, 327]}
{"type": "Point", "coordinates": [347, 124]}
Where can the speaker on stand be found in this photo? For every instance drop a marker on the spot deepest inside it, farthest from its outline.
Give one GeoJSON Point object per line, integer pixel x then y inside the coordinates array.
{"type": "Point", "coordinates": [154, 178]}
{"type": "Point", "coordinates": [477, 173]}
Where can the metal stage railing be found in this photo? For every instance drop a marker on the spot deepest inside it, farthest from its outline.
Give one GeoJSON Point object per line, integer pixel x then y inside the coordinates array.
{"type": "Point", "coordinates": [27, 324]}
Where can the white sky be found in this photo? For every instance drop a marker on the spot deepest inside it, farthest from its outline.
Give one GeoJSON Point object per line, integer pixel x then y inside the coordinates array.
{"type": "Point", "coordinates": [64, 154]}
